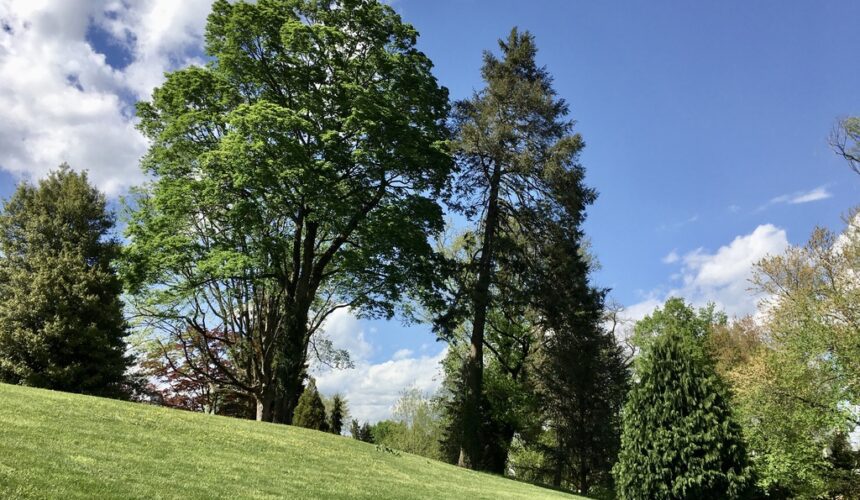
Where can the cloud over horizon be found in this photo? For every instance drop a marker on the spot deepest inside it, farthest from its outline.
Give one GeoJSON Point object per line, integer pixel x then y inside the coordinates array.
{"type": "Point", "coordinates": [722, 277]}
{"type": "Point", "coordinates": [372, 388]}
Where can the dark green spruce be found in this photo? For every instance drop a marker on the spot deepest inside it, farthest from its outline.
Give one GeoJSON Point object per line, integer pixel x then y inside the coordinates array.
{"type": "Point", "coordinates": [61, 317]}
{"type": "Point", "coordinates": [310, 412]}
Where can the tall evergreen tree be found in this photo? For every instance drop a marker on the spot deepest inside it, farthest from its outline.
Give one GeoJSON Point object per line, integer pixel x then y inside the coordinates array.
{"type": "Point", "coordinates": [355, 429]}
{"type": "Point", "coordinates": [310, 412]}
{"type": "Point", "coordinates": [582, 376]}
{"type": "Point", "coordinates": [61, 318]}
{"type": "Point", "coordinates": [680, 439]}
{"type": "Point", "coordinates": [338, 414]}
{"type": "Point", "coordinates": [515, 149]}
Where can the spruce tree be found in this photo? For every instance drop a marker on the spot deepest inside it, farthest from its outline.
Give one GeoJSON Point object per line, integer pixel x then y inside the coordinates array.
{"type": "Point", "coordinates": [310, 411]}
{"type": "Point", "coordinates": [366, 434]}
{"type": "Point", "coordinates": [680, 439]}
{"type": "Point", "coordinates": [517, 154]}
{"type": "Point", "coordinates": [338, 414]}
{"type": "Point", "coordinates": [61, 318]}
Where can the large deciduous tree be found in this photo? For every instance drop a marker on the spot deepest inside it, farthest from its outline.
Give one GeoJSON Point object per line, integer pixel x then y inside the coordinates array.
{"type": "Point", "coordinates": [517, 153]}
{"type": "Point", "coordinates": [296, 173]}
{"type": "Point", "coordinates": [680, 438]}
{"type": "Point", "coordinates": [798, 391]}
{"type": "Point", "coordinates": [61, 318]}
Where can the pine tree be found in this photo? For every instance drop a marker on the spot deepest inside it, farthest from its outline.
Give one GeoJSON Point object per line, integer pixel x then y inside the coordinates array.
{"type": "Point", "coordinates": [61, 318]}
{"type": "Point", "coordinates": [355, 430]}
{"type": "Point", "coordinates": [310, 411]}
{"type": "Point", "coordinates": [338, 414]}
{"type": "Point", "coordinates": [518, 168]}
{"type": "Point", "coordinates": [680, 439]}
{"type": "Point", "coordinates": [365, 433]}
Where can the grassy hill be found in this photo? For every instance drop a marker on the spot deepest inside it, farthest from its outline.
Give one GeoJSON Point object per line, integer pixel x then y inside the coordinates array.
{"type": "Point", "coordinates": [57, 445]}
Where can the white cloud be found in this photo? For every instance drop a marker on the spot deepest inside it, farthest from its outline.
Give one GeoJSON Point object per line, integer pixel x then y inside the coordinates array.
{"type": "Point", "coordinates": [345, 332]}
{"type": "Point", "coordinates": [722, 277]}
{"type": "Point", "coordinates": [402, 354]}
{"type": "Point", "coordinates": [62, 101]}
{"type": "Point", "coordinates": [671, 257]}
{"type": "Point", "coordinates": [819, 193]}
{"type": "Point", "coordinates": [641, 309]}
{"type": "Point", "coordinates": [372, 389]}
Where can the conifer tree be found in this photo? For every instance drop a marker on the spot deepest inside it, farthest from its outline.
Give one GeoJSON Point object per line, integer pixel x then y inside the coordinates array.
{"type": "Point", "coordinates": [310, 411]}
{"type": "Point", "coordinates": [366, 434]}
{"type": "Point", "coordinates": [582, 373]}
{"type": "Point", "coordinates": [355, 430]}
{"type": "Point", "coordinates": [338, 414]}
{"type": "Point", "coordinates": [517, 154]}
{"type": "Point", "coordinates": [680, 439]}
{"type": "Point", "coordinates": [61, 318]}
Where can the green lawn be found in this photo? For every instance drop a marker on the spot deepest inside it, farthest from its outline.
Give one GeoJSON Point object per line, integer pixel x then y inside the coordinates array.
{"type": "Point", "coordinates": [57, 445]}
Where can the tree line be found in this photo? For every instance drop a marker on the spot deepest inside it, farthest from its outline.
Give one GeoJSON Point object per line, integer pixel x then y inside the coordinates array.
{"type": "Point", "coordinates": [308, 167]}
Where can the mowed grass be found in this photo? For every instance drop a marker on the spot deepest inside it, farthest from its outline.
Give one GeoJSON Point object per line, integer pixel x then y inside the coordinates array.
{"type": "Point", "coordinates": [58, 445]}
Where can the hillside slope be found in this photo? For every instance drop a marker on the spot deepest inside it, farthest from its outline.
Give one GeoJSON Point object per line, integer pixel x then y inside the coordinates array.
{"type": "Point", "coordinates": [57, 445]}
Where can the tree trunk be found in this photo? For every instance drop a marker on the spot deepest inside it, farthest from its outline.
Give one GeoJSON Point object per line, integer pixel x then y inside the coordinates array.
{"type": "Point", "coordinates": [559, 468]}
{"type": "Point", "coordinates": [496, 458]}
{"type": "Point", "coordinates": [293, 367]}
{"type": "Point", "coordinates": [264, 405]}
{"type": "Point", "coordinates": [470, 447]}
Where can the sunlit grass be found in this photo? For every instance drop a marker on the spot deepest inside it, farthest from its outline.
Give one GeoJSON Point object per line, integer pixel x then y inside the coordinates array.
{"type": "Point", "coordinates": [58, 445]}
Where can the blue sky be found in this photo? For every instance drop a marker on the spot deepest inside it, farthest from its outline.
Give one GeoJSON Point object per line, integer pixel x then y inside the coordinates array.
{"type": "Point", "coordinates": [706, 127]}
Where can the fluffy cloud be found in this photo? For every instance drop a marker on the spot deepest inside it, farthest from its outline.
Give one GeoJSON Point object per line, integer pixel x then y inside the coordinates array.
{"type": "Point", "coordinates": [63, 101]}
{"type": "Point", "coordinates": [671, 257]}
{"type": "Point", "coordinates": [372, 388]}
{"type": "Point", "coordinates": [722, 277]}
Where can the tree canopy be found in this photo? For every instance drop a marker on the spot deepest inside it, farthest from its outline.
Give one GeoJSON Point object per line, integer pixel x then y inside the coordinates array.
{"type": "Point", "coordinates": [295, 174]}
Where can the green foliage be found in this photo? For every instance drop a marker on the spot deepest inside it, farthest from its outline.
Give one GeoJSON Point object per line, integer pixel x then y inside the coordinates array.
{"type": "Point", "coordinates": [61, 318]}
{"type": "Point", "coordinates": [518, 173]}
{"type": "Point", "coordinates": [310, 412]}
{"type": "Point", "coordinates": [416, 428]}
{"type": "Point", "coordinates": [680, 439]}
{"type": "Point", "coordinates": [337, 415]}
{"type": "Point", "coordinates": [581, 374]}
{"type": "Point", "coordinates": [795, 393]}
{"type": "Point", "coordinates": [59, 445]}
{"type": "Point", "coordinates": [295, 173]}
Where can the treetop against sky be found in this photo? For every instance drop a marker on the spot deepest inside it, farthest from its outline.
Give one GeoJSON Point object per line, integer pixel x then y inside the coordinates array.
{"type": "Point", "coordinates": [705, 127]}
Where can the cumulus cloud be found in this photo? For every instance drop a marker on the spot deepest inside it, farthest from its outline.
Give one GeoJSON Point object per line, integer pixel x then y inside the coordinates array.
{"type": "Point", "coordinates": [723, 276]}
{"type": "Point", "coordinates": [372, 388]}
{"type": "Point", "coordinates": [346, 332]}
{"type": "Point", "coordinates": [63, 101]}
